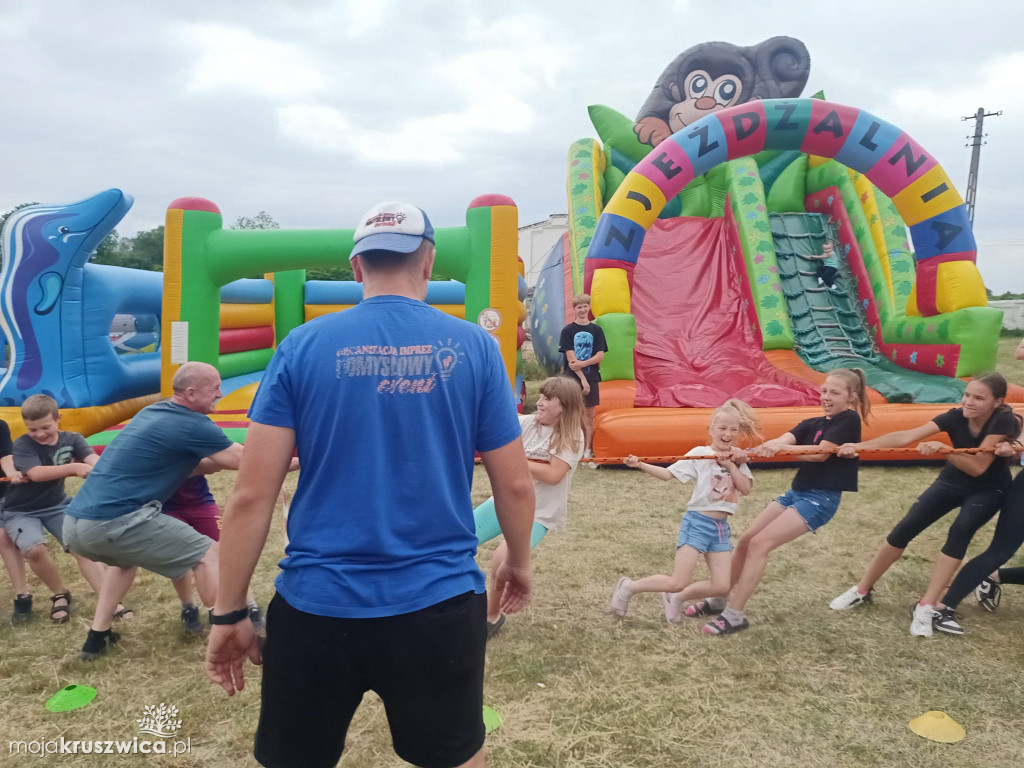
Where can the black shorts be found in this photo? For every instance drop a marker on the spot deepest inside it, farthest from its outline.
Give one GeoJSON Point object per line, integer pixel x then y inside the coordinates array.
{"type": "Point", "coordinates": [592, 399]}
{"type": "Point", "coordinates": [427, 667]}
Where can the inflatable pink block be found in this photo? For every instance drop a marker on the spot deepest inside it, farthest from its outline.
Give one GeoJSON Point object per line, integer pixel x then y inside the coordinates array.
{"type": "Point", "coordinates": [904, 163]}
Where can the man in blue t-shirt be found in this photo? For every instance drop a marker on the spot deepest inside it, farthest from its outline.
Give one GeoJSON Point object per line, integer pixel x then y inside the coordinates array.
{"type": "Point", "coordinates": [387, 403]}
{"type": "Point", "coordinates": [115, 517]}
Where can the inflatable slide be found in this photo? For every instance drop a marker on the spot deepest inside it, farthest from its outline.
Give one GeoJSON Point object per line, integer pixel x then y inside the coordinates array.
{"type": "Point", "coordinates": [697, 246]}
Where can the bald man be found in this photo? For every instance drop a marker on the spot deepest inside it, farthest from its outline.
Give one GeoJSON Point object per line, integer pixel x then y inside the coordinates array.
{"type": "Point", "coordinates": [115, 518]}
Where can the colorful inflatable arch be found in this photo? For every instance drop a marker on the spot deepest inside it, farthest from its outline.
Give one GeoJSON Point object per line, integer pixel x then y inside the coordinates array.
{"type": "Point", "coordinates": [947, 277]}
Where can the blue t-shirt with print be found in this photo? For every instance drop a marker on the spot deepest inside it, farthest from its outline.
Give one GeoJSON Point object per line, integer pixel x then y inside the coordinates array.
{"type": "Point", "coordinates": [389, 401]}
{"type": "Point", "coordinates": [147, 461]}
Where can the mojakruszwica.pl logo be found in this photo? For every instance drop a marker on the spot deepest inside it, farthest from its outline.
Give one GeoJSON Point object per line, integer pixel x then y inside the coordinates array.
{"type": "Point", "coordinates": [158, 720]}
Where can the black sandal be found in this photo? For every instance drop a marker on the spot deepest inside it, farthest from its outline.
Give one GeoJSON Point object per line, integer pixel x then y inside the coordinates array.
{"type": "Point", "coordinates": [124, 613]}
{"type": "Point", "coordinates": [55, 609]}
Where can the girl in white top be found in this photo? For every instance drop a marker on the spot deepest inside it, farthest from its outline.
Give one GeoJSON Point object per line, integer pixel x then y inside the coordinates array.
{"type": "Point", "coordinates": [718, 485]}
{"type": "Point", "coordinates": [553, 440]}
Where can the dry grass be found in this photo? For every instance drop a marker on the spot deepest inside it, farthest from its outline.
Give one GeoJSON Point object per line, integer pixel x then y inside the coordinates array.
{"type": "Point", "coordinates": [805, 686]}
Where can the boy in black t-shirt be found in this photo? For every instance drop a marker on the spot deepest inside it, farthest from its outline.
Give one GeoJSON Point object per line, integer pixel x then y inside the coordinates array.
{"type": "Point", "coordinates": [583, 345]}
{"type": "Point", "coordinates": [46, 456]}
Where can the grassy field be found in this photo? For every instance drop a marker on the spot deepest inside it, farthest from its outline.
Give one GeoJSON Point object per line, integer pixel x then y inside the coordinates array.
{"type": "Point", "coordinates": [804, 687]}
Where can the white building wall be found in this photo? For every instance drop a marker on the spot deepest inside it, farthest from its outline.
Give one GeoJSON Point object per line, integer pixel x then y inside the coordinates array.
{"type": "Point", "coordinates": [1013, 313]}
{"type": "Point", "coordinates": [535, 240]}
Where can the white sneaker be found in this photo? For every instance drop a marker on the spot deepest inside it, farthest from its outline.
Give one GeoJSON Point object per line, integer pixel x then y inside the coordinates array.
{"type": "Point", "coordinates": [849, 599]}
{"type": "Point", "coordinates": [621, 596]}
{"type": "Point", "coordinates": [589, 454]}
{"type": "Point", "coordinates": [924, 616]}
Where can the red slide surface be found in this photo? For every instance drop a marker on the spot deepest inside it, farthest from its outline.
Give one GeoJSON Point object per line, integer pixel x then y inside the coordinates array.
{"type": "Point", "coordinates": [694, 345]}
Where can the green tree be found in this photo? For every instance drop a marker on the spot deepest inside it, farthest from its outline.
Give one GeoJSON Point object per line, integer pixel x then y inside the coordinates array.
{"type": "Point", "coordinates": [5, 214]}
{"type": "Point", "coordinates": [261, 220]}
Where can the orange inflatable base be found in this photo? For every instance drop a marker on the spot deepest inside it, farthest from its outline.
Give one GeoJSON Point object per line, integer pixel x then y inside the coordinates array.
{"type": "Point", "coordinates": [85, 421]}
{"type": "Point", "coordinates": [619, 432]}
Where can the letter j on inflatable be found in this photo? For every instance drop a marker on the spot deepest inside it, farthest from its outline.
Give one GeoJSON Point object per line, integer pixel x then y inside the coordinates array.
{"type": "Point", "coordinates": [945, 251]}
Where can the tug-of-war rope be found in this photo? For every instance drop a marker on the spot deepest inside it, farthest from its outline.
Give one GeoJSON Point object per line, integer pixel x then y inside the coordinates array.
{"type": "Point", "coordinates": [794, 451]}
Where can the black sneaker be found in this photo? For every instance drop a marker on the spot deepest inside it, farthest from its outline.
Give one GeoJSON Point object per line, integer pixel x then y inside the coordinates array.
{"type": "Point", "coordinates": [945, 620]}
{"type": "Point", "coordinates": [97, 643]}
{"type": "Point", "coordinates": [190, 620]}
{"type": "Point", "coordinates": [494, 628]}
{"type": "Point", "coordinates": [988, 593]}
{"type": "Point", "coordinates": [256, 617]}
{"type": "Point", "coordinates": [22, 609]}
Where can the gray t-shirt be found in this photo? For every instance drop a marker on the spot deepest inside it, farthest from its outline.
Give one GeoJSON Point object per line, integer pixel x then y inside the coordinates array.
{"type": "Point", "coordinates": [28, 454]}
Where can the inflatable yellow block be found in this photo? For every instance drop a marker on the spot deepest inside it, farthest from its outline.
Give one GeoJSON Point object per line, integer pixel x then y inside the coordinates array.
{"type": "Point", "coordinates": [246, 315]}
{"type": "Point", "coordinates": [637, 199]}
{"type": "Point", "coordinates": [914, 210]}
{"type": "Point", "coordinates": [958, 285]}
{"type": "Point", "coordinates": [609, 292]}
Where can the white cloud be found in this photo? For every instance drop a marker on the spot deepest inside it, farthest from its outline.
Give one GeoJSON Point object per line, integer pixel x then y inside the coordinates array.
{"type": "Point", "coordinates": [995, 86]}
{"type": "Point", "coordinates": [228, 57]}
{"type": "Point", "coordinates": [424, 141]}
{"type": "Point", "coordinates": [17, 20]}
{"type": "Point", "coordinates": [361, 17]}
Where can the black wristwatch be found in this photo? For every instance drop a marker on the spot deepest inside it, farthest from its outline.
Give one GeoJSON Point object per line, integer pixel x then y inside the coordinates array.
{"type": "Point", "coordinates": [229, 618]}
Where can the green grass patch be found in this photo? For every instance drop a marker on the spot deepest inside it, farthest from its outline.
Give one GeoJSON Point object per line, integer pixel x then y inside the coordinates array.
{"type": "Point", "coordinates": [806, 686]}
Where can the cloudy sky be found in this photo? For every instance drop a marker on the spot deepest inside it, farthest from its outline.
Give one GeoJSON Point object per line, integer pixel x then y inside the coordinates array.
{"type": "Point", "coordinates": [313, 111]}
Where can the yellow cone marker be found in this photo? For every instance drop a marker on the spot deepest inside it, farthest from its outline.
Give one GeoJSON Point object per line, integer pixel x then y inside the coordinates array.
{"type": "Point", "coordinates": [938, 726]}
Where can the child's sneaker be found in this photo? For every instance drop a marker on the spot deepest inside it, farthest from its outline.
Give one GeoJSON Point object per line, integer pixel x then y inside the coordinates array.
{"type": "Point", "coordinates": [945, 620]}
{"type": "Point", "coordinates": [22, 609]}
{"type": "Point", "coordinates": [494, 627]}
{"type": "Point", "coordinates": [850, 598]}
{"type": "Point", "coordinates": [589, 454]}
{"type": "Point", "coordinates": [190, 620]}
{"type": "Point", "coordinates": [673, 607]}
{"type": "Point", "coordinates": [988, 594]}
{"type": "Point", "coordinates": [924, 616]}
{"type": "Point", "coordinates": [259, 623]}
{"type": "Point", "coordinates": [621, 596]}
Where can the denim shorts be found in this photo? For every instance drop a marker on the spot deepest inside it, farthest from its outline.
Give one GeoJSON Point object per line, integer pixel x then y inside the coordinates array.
{"type": "Point", "coordinates": [705, 534]}
{"type": "Point", "coordinates": [816, 507]}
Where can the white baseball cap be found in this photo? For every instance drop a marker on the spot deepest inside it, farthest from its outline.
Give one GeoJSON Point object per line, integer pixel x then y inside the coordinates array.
{"type": "Point", "coordinates": [392, 226]}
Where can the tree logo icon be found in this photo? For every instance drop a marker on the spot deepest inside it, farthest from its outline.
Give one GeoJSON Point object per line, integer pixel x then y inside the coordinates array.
{"type": "Point", "coordinates": [160, 720]}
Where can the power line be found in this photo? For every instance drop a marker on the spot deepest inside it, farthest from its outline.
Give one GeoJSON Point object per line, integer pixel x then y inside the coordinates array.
{"type": "Point", "coordinates": [978, 140]}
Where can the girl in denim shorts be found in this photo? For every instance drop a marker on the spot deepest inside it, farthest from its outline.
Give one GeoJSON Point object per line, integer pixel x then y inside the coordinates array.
{"type": "Point", "coordinates": [809, 504]}
{"type": "Point", "coordinates": [719, 481]}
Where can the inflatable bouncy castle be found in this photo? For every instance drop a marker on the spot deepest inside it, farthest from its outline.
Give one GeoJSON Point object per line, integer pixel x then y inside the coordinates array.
{"type": "Point", "coordinates": [698, 230]}
{"type": "Point", "coordinates": [214, 311]}
{"type": "Point", "coordinates": [105, 341]}
{"type": "Point", "coordinates": [57, 311]}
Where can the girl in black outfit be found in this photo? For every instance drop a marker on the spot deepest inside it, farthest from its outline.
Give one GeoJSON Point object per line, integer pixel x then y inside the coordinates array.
{"type": "Point", "coordinates": [976, 483]}
{"type": "Point", "coordinates": [1006, 540]}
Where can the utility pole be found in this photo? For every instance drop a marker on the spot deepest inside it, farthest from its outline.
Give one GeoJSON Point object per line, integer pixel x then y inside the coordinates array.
{"type": "Point", "coordinates": [977, 141]}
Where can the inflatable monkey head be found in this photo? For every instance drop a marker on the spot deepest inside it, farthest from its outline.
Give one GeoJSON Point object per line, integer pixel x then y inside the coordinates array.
{"type": "Point", "coordinates": [713, 76]}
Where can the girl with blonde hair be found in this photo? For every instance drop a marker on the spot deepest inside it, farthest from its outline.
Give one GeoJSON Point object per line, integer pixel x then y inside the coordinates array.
{"type": "Point", "coordinates": [717, 487]}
